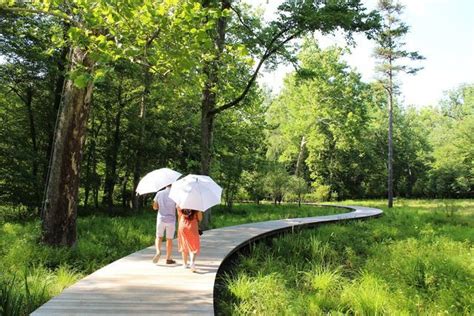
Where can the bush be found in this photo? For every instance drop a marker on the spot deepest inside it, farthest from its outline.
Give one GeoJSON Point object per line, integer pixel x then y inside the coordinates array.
{"type": "Point", "coordinates": [321, 193]}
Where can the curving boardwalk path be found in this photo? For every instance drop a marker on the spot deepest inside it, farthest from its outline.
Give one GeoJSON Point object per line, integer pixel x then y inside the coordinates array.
{"type": "Point", "coordinates": [134, 285]}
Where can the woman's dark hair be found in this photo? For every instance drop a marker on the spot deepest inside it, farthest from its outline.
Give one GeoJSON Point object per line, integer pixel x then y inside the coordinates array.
{"type": "Point", "coordinates": [188, 214]}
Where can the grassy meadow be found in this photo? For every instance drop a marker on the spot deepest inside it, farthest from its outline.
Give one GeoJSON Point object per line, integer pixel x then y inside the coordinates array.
{"type": "Point", "coordinates": [415, 260]}
{"type": "Point", "coordinates": [32, 273]}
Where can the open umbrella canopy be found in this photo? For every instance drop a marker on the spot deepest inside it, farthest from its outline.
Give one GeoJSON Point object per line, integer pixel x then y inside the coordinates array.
{"type": "Point", "coordinates": [196, 192]}
{"type": "Point", "coordinates": [156, 180]}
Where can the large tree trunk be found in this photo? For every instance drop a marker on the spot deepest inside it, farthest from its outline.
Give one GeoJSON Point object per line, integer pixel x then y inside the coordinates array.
{"type": "Point", "coordinates": [209, 101]}
{"type": "Point", "coordinates": [60, 206]}
{"type": "Point", "coordinates": [57, 92]}
{"type": "Point", "coordinates": [207, 125]}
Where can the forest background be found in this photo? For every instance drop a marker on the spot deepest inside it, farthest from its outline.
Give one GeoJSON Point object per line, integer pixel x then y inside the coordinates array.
{"type": "Point", "coordinates": [323, 137]}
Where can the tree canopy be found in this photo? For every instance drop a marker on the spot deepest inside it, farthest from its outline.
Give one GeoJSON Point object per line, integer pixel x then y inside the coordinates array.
{"type": "Point", "coordinates": [173, 84]}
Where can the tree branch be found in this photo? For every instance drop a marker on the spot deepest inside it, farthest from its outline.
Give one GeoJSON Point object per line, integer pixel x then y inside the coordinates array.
{"type": "Point", "coordinates": [269, 52]}
{"type": "Point", "coordinates": [249, 29]}
{"type": "Point", "coordinates": [17, 93]}
{"type": "Point", "coordinates": [57, 14]}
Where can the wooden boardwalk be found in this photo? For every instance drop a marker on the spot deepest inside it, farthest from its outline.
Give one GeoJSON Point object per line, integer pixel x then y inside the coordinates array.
{"type": "Point", "coordinates": [134, 285]}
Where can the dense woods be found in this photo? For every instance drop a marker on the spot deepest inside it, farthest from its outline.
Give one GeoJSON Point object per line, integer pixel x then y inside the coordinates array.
{"type": "Point", "coordinates": [178, 88]}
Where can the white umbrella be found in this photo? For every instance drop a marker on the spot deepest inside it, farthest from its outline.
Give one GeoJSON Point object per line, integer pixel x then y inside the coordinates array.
{"type": "Point", "coordinates": [156, 180]}
{"type": "Point", "coordinates": [196, 192]}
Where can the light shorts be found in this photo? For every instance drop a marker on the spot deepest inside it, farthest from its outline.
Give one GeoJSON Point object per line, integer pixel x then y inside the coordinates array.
{"type": "Point", "coordinates": [162, 227]}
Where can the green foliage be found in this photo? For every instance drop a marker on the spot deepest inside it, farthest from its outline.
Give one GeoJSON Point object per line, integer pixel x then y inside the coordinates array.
{"type": "Point", "coordinates": [297, 187]}
{"type": "Point", "coordinates": [253, 183]}
{"type": "Point", "coordinates": [239, 146]}
{"type": "Point", "coordinates": [334, 125]}
{"type": "Point", "coordinates": [276, 182]}
{"type": "Point", "coordinates": [390, 48]}
{"type": "Point", "coordinates": [327, 123]}
{"type": "Point", "coordinates": [327, 104]}
{"type": "Point", "coordinates": [413, 260]}
{"type": "Point", "coordinates": [321, 193]}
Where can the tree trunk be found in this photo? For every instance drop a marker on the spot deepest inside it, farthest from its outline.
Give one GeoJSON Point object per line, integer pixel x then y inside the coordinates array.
{"type": "Point", "coordinates": [60, 206]}
{"type": "Point", "coordinates": [31, 119]}
{"type": "Point", "coordinates": [57, 91]}
{"type": "Point", "coordinates": [34, 143]}
{"type": "Point", "coordinates": [390, 149]}
{"type": "Point", "coordinates": [111, 157]}
{"type": "Point", "coordinates": [90, 176]}
{"type": "Point", "coordinates": [390, 134]}
{"type": "Point", "coordinates": [125, 196]}
{"type": "Point", "coordinates": [209, 101]}
{"type": "Point", "coordinates": [207, 125]}
{"type": "Point", "coordinates": [141, 135]}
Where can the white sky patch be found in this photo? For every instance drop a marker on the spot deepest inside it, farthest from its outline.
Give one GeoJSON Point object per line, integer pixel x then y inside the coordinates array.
{"type": "Point", "coordinates": [440, 30]}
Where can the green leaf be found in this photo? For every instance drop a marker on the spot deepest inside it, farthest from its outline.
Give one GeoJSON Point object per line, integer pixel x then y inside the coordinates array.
{"type": "Point", "coordinates": [74, 34]}
{"type": "Point", "coordinates": [81, 81]}
{"type": "Point", "coordinates": [99, 75]}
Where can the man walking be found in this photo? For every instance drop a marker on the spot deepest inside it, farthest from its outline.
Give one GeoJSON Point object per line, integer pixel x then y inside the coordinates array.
{"type": "Point", "coordinates": [165, 223]}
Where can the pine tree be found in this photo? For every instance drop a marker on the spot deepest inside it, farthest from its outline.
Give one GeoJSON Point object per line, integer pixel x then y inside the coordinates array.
{"type": "Point", "coordinates": [391, 55]}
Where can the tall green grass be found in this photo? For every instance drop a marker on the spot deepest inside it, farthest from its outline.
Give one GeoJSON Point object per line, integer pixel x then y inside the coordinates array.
{"type": "Point", "coordinates": [32, 273]}
{"type": "Point", "coordinates": [415, 260]}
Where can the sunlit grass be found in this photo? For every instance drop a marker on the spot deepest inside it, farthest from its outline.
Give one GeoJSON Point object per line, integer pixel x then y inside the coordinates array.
{"type": "Point", "coordinates": [33, 273]}
{"type": "Point", "coordinates": [418, 258]}
{"type": "Point", "coordinates": [415, 260]}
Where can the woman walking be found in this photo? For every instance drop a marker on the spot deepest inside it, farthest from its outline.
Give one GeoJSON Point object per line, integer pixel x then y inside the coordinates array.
{"type": "Point", "coordinates": [188, 236]}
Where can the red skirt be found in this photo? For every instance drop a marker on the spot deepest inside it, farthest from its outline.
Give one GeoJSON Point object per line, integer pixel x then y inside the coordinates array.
{"type": "Point", "coordinates": [188, 236]}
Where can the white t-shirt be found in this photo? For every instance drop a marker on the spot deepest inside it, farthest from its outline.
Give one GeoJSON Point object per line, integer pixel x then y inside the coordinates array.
{"type": "Point", "coordinates": [167, 207]}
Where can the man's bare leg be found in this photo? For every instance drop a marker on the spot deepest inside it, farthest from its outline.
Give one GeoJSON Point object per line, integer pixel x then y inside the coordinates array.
{"type": "Point", "coordinates": [158, 242]}
{"type": "Point", "coordinates": [169, 248]}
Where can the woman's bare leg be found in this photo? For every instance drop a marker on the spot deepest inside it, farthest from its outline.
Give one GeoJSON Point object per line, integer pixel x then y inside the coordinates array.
{"type": "Point", "coordinates": [193, 261]}
{"type": "Point", "coordinates": [185, 258]}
